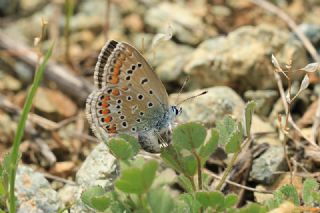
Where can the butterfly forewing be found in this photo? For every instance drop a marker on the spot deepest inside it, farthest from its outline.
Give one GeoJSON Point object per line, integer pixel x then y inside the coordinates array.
{"type": "Point", "coordinates": [129, 97]}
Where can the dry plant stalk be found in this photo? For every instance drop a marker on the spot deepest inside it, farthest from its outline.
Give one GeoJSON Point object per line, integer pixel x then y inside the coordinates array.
{"type": "Point", "coordinates": [288, 98]}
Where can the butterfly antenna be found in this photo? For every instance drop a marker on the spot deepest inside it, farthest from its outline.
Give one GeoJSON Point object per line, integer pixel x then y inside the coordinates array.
{"type": "Point", "coordinates": [192, 97]}
{"type": "Point", "coordinates": [182, 87]}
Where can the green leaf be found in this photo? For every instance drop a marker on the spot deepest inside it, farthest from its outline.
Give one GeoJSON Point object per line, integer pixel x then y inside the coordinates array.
{"type": "Point", "coordinates": [120, 148]}
{"type": "Point", "coordinates": [149, 172]}
{"type": "Point", "coordinates": [248, 113]}
{"type": "Point", "coordinates": [136, 180]}
{"type": "Point", "coordinates": [189, 136]}
{"type": "Point", "coordinates": [233, 144]}
{"type": "Point", "coordinates": [316, 197]}
{"type": "Point", "coordinates": [189, 163]}
{"type": "Point", "coordinates": [172, 158]}
{"type": "Point", "coordinates": [91, 192]}
{"type": "Point", "coordinates": [271, 204]}
{"type": "Point", "coordinates": [230, 200]}
{"type": "Point", "coordinates": [160, 201]}
{"type": "Point", "coordinates": [253, 208]}
{"type": "Point", "coordinates": [309, 185]}
{"type": "Point", "coordinates": [225, 128]}
{"type": "Point", "coordinates": [2, 188]}
{"type": "Point", "coordinates": [203, 198]}
{"type": "Point", "coordinates": [210, 199]}
{"type": "Point", "coordinates": [133, 142]}
{"type": "Point", "coordinates": [289, 193]}
{"type": "Point", "coordinates": [194, 205]}
{"type": "Point", "coordinates": [101, 203]}
{"type": "Point", "coordinates": [210, 146]}
{"type": "Point", "coordinates": [185, 183]}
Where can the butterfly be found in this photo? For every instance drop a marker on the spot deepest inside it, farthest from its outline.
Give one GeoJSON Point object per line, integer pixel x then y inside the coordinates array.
{"type": "Point", "coordinates": [129, 98]}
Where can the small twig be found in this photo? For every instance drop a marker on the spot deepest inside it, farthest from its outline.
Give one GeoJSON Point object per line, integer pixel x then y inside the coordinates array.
{"type": "Point", "coordinates": [293, 26]}
{"type": "Point", "coordinates": [56, 178]}
{"type": "Point", "coordinates": [236, 184]}
{"type": "Point", "coordinates": [287, 106]}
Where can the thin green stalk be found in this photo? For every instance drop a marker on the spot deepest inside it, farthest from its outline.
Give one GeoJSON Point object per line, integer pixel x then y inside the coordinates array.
{"type": "Point", "coordinates": [230, 165]}
{"type": "Point", "coordinates": [192, 182]}
{"type": "Point", "coordinates": [20, 130]}
{"type": "Point", "coordinates": [69, 6]}
{"type": "Point", "coordinates": [199, 169]}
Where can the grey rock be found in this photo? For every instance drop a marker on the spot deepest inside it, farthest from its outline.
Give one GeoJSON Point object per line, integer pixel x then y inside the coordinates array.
{"type": "Point", "coordinates": [26, 29]}
{"type": "Point", "coordinates": [213, 106]}
{"type": "Point", "coordinates": [34, 193]}
{"type": "Point", "coordinates": [8, 7]}
{"type": "Point", "coordinates": [243, 58]}
{"type": "Point", "coordinates": [168, 59]}
{"type": "Point", "coordinates": [208, 108]}
{"type": "Point", "coordinates": [312, 31]}
{"type": "Point", "coordinates": [188, 27]}
{"type": "Point", "coordinates": [99, 168]}
{"type": "Point", "coordinates": [91, 15]}
{"type": "Point", "coordinates": [265, 166]}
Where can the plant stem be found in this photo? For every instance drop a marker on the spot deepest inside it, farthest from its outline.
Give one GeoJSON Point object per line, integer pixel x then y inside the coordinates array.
{"type": "Point", "coordinates": [142, 202]}
{"type": "Point", "coordinates": [227, 171]}
{"type": "Point", "coordinates": [230, 165]}
{"type": "Point", "coordinates": [192, 182]}
{"type": "Point", "coordinates": [20, 130]}
{"type": "Point", "coordinates": [286, 127]}
{"type": "Point", "coordinates": [69, 5]}
{"type": "Point", "coordinates": [199, 169]}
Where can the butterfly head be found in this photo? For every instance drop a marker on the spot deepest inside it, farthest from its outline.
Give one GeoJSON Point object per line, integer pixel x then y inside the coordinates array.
{"type": "Point", "coordinates": [176, 110]}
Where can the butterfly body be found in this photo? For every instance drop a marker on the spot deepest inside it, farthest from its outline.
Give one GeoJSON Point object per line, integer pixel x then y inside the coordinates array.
{"type": "Point", "coordinates": [129, 98]}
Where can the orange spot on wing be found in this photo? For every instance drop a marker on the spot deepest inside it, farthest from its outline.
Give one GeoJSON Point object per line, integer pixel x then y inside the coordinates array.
{"type": "Point", "coordinates": [104, 105]}
{"type": "Point", "coordinates": [105, 111]}
{"type": "Point", "coordinates": [113, 129]}
{"type": "Point", "coordinates": [107, 98]}
{"type": "Point", "coordinates": [114, 79]}
{"type": "Point", "coordinates": [108, 119]}
{"type": "Point", "coordinates": [115, 92]}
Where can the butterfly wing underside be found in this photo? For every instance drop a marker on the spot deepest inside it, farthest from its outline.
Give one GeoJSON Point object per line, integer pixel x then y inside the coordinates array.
{"type": "Point", "coordinates": [129, 97]}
